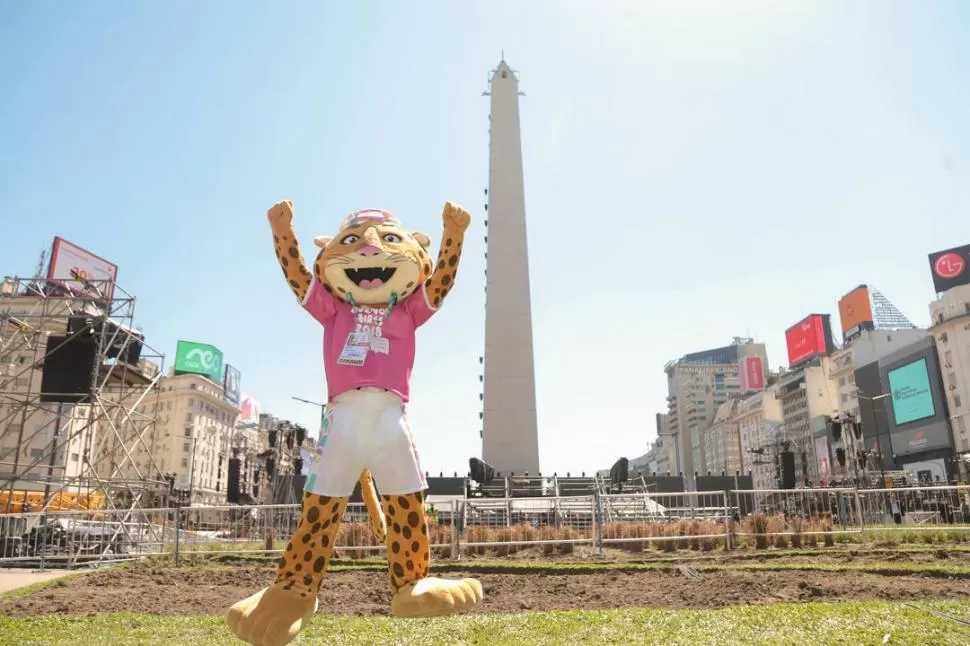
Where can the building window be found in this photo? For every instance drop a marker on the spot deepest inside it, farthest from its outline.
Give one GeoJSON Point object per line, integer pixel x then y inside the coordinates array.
{"type": "Point", "coordinates": [957, 402]}
{"type": "Point", "coordinates": [188, 417]}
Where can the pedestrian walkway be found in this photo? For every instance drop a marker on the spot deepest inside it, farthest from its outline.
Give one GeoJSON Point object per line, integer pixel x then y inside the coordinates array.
{"type": "Point", "coordinates": [13, 578]}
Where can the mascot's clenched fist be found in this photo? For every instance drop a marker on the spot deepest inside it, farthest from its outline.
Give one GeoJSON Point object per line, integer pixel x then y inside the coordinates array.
{"type": "Point", "coordinates": [371, 286]}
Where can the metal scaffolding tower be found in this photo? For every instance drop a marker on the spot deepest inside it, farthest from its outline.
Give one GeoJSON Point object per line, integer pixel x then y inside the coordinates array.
{"type": "Point", "coordinates": [90, 449]}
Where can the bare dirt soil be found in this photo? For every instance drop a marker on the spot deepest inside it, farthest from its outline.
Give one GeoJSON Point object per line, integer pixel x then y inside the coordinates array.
{"type": "Point", "coordinates": [871, 554]}
{"type": "Point", "coordinates": [209, 589]}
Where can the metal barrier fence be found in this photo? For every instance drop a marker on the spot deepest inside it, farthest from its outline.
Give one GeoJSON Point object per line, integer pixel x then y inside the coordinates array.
{"type": "Point", "coordinates": [697, 520]}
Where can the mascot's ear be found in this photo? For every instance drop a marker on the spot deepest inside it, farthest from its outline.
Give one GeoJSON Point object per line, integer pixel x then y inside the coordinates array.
{"type": "Point", "coordinates": [422, 239]}
{"type": "Point", "coordinates": [321, 241]}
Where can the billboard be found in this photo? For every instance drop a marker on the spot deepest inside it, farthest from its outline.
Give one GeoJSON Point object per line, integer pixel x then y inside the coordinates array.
{"type": "Point", "coordinates": [809, 337]}
{"type": "Point", "coordinates": [231, 385]}
{"type": "Point", "coordinates": [918, 440]}
{"type": "Point", "coordinates": [248, 410]}
{"type": "Point", "coordinates": [751, 374]}
{"type": "Point", "coordinates": [916, 413]}
{"type": "Point", "coordinates": [912, 398]}
{"type": "Point", "coordinates": [855, 311]}
{"type": "Point", "coordinates": [74, 269]}
{"type": "Point", "coordinates": [950, 268]}
{"type": "Point", "coordinates": [199, 359]}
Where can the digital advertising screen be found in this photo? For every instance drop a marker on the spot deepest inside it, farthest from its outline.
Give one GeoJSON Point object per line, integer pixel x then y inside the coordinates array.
{"type": "Point", "coordinates": [231, 385]}
{"type": "Point", "coordinates": [855, 311]}
{"type": "Point", "coordinates": [912, 397]}
{"type": "Point", "coordinates": [807, 338]}
{"type": "Point", "coordinates": [200, 359]}
{"type": "Point", "coordinates": [80, 271]}
{"type": "Point", "coordinates": [950, 268]}
{"type": "Point", "coordinates": [751, 374]}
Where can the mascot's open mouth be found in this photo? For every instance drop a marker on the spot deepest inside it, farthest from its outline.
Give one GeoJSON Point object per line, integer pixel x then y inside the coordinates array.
{"type": "Point", "coordinates": [370, 277]}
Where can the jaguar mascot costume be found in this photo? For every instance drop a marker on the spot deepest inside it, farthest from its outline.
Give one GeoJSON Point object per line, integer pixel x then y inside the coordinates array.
{"type": "Point", "coordinates": [371, 287]}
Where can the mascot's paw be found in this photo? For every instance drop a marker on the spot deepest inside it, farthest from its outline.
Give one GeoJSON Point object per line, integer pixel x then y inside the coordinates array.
{"type": "Point", "coordinates": [271, 617]}
{"type": "Point", "coordinates": [432, 597]}
{"type": "Point", "coordinates": [456, 216]}
{"type": "Point", "coordinates": [280, 213]}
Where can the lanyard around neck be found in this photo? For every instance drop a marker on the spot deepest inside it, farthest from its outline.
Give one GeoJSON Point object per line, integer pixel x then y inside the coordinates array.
{"type": "Point", "coordinates": [390, 303]}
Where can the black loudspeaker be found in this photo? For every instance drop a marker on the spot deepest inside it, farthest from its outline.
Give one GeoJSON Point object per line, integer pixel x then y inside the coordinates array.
{"type": "Point", "coordinates": [122, 344]}
{"type": "Point", "coordinates": [787, 470]}
{"type": "Point", "coordinates": [836, 431]}
{"type": "Point", "coordinates": [481, 472]}
{"type": "Point", "coordinates": [68, 374]}
{"type": "Point", "coordinates": [232, 484]}
{"type": "Point", "coordinates": [620, 471]}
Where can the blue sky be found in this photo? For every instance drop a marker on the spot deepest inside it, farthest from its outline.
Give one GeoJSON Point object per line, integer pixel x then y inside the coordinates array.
{"type": "Point", "coordinates": [693, 172]}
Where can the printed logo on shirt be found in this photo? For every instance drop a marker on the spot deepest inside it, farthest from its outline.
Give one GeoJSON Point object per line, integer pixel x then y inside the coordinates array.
{"type": "Point", "coordinates": [369, 319]}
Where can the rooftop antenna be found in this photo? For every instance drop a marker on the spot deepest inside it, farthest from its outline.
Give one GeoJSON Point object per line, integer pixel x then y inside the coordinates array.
{"type": "Point", "coordinates": [40, 264]}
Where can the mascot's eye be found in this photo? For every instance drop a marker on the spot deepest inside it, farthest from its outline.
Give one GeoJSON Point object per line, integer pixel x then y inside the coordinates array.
{"type": "Point", "coordinates": [391, 237]}
{"type": "Point", "coordinates": [351, 239]}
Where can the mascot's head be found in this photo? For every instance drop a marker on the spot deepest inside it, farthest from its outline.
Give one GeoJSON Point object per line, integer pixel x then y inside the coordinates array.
{"type": "Point", "coordinates": [372, 260]}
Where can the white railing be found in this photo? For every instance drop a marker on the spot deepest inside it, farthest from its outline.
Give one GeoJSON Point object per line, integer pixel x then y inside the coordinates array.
{"type": "Point", "coordinates": [472, 527]}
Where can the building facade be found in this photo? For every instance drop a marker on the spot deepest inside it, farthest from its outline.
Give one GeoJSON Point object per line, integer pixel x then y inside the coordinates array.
{"type": "Point", "coordinates": [194, 433]}
{"type": "Point", "coordinates": [759, 418]}
{"type": "Point", "coordinates": [722, 440]}
{"type": "Point", "coordinates": [697, 384]}
{"type": "Point", "coordinates": [808, 400]}
{"type": "Point", "coordinates": [950, 321]}
{"type": "Point", "coordinates": [866, 347]}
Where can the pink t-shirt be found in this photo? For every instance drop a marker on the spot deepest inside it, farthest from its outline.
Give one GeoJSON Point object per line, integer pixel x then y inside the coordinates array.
{"type": "Point", "coordinates": [390, 370]}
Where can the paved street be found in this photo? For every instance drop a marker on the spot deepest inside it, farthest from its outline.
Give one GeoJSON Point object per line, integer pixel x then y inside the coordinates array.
{"type": "Point", "coordinates": [11, 579]}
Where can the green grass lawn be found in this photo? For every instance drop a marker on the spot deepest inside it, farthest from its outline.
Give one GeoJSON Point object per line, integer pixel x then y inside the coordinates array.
{"type": "Point", "coordinates": [842, 623]}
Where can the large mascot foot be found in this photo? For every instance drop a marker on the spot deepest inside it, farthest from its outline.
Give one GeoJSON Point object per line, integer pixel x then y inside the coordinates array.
{"type": "Point", "coordinates": [271, 617]}
{"type": "Point", "coordinates": [432, 597]}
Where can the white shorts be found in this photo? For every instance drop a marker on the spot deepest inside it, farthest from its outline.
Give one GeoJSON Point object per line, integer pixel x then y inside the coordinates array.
{"type": "Point", "coordinates": [365, 428]}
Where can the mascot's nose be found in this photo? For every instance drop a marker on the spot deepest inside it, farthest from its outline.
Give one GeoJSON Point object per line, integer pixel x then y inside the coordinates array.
{"type": "Point", "coordinates": [368, 250]}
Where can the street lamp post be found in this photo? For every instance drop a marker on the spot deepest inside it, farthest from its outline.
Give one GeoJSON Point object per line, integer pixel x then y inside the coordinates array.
{"type": "Point", "coordinates": [872, 410]}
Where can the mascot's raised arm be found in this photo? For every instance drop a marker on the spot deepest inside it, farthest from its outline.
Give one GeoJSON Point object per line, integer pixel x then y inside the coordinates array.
{"type": "Point", "coordinates": [372, 285]}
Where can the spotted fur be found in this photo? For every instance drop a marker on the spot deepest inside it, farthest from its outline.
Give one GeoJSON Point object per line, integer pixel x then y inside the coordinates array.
{"type": "Point", "coordinates": [408, 548]}
{"type": "Point", "coordinates": [304, 562]}
{"type": "Point", "coordinates": [438, 284]}
{"type": "Point", "coordinates": [276, 614]}
{"type": "Point", "coordinates": [287, 247]}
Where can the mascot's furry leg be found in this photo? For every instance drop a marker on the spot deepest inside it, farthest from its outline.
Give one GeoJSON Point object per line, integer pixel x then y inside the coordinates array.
{"type": "Point", "coordinates": [276, 614]}
{"type": "Point", "coordinates": [408, 558]}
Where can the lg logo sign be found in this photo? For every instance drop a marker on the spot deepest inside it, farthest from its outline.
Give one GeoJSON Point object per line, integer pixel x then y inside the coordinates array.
{"type": "Point", "coordinates": [949, 266]}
